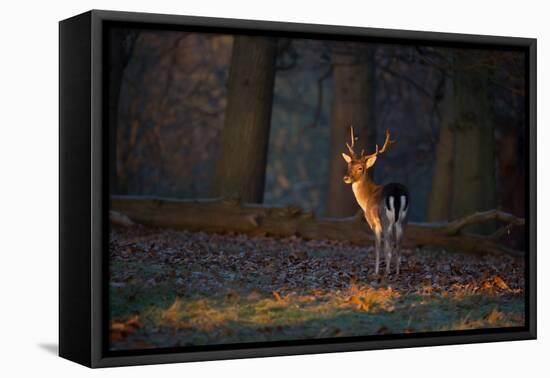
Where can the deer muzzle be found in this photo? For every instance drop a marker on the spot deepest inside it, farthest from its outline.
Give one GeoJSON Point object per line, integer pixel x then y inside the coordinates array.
{"type": "Point", "coordinates": [347, 179]}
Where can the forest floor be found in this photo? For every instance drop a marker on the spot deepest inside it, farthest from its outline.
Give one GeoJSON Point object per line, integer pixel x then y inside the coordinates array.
{"type": "Point", "coordinates": [175, 288]}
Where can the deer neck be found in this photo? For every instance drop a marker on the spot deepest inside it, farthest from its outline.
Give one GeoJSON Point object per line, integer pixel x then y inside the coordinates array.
{"type": "Point", "coordinates": [363, 190]}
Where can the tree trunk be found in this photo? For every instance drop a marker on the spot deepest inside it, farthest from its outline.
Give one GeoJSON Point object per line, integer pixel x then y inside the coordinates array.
{"type": "Point", "coordinates": [240, 168]}
{"type": "Point", "coordinates": [474, 156]}
{"type": "Point", "coordinates": [117, 63]}
{"type": "Point", "coordinates": [121, 45]}
{"type": "Point", "coordinates": [439, 203]}
{"type": "Point", "coordinates": [352, 105]}
{"type": "Point", "coordinates": [510, 172]}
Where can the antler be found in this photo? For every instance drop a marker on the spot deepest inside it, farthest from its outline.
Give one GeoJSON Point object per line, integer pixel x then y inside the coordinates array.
{"type": "Point", "coordinates": [388, 142]}
{"type": "Point", "coordinates": [350, 148]}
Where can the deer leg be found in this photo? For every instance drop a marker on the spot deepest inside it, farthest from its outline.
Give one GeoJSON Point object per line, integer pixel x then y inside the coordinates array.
{"type": "Point", "coordinates": [388, 249]}
{"type": "Point", "coordinates": [397, 259]}
{"type": "Point", "coordinates": [377, 245]}
{"type": "Point", "coordinates": [398, 234]}
{"type": "Point", "coordinates": [398, 237]}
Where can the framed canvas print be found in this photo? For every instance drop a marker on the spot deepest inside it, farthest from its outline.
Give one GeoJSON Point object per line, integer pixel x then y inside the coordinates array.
{"type": "Point", "coordinates": [234, 188]}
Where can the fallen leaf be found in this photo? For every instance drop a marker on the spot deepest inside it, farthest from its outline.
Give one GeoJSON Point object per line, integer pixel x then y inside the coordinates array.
{"type": "Point", "coordinates": [277, 296]}
{"type": "Point", "coordinates": [355, 300]}
{"type": "Point", "coordinates": [171, 314]}
{"type": "Point", "coordinates": [364, 307]}
{"type": "Point", "coordinates": [501, 283]}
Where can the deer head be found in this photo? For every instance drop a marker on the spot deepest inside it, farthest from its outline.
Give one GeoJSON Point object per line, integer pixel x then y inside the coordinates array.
{"type": "Point", "coordinates": [358, 165]}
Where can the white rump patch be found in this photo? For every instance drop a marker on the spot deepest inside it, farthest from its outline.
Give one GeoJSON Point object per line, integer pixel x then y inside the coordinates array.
{"type": "Point", "coordinates": [390, 211]}
{"type": "Point", "coordinates": [402, 214]}
{"type": "Point", "coordinates": [403, 208]}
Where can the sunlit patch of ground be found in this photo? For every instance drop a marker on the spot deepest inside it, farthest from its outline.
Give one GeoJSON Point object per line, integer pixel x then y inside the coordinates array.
{"type": "Point", "coordinates": [170, 288]}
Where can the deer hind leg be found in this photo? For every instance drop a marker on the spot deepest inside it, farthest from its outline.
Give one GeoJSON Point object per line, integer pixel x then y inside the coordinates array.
{"type": "Point", "coordinates": [399, 231]}
{"type": "Point", "coordinates": [389, 228]}
{"type": "Point", "coordinates": [397, 243]}
{"type": "Point", "coordinates": [388, 247]}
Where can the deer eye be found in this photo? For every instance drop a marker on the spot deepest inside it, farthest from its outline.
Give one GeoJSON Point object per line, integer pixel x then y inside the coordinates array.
{"type": "Point", "coordinates": [360, 169]}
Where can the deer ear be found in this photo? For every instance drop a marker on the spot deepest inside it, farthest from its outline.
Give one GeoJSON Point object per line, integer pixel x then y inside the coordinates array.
{"type": "Point", "coordinates": [370, 161]}
{"type": "Point", "coordinates": [347, 158]}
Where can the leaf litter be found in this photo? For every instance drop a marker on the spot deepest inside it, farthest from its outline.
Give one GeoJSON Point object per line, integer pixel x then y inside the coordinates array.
{"type": "Point", "coordinates": [180, 288]}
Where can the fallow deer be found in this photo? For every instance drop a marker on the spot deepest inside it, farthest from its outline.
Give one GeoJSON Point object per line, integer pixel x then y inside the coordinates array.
{"type": "Point", "coordinates": [384, 206]}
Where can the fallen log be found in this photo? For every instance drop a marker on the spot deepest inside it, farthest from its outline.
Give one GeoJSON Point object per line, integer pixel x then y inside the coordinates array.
{"type": "Point", "coordinates": [222, 216]}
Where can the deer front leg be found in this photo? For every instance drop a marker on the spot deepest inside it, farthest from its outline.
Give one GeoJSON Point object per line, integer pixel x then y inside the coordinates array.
{"type": "Point", "coordinates": [377, 245]}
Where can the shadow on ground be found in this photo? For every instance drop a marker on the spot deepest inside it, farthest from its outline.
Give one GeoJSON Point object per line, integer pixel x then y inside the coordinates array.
{"type": "Point", "coordinates": [51, 348]}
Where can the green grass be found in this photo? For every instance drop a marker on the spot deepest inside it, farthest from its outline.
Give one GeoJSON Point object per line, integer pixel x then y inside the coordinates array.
{"type": "Point", "coordinates": [166, 319]}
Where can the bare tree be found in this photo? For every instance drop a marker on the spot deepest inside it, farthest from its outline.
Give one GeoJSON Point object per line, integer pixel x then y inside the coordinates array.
{"type": "Point", "coordinates": [353, 104]}
{"type": "Point", "coordinates": [474, 152]}
{"type": "Point", "coordinates": [240, 168]}
{"type": "Point", "coordinates": [464, 174]}
{"type": "Point", "coordinates": [439, 203]}
{"type": "Point", "coordinates": [121, 45]}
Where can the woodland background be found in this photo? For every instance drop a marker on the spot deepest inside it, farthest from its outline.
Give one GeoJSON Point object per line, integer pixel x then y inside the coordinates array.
{"type": "Point", "coordinates": [458, 116]}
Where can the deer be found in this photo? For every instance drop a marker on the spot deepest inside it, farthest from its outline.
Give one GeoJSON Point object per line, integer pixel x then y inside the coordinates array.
{"type": "Point", "coordinates": [384, 207]}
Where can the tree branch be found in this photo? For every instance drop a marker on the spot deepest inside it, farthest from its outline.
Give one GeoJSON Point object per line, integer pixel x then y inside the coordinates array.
{"type": "Point", "coordinates": [456, 226]}
{"type": "Point", "coordinates": [222, 216]}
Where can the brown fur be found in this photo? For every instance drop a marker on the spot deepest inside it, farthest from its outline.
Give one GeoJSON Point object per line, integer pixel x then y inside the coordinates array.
{"type": "Point", "coordinates": [372, 200]}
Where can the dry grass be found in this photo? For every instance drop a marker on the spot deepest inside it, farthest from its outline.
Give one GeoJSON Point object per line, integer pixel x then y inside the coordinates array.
{"type": "Point", "coordinates": [493, 319]}
{"type": "Point", "coordinates": [359, 310]}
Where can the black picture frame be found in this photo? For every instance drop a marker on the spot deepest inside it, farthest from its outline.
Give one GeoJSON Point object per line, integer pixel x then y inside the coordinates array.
{"type": "Point", "coordinates": [83, 196]}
